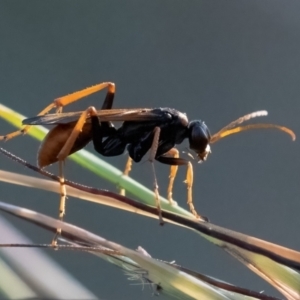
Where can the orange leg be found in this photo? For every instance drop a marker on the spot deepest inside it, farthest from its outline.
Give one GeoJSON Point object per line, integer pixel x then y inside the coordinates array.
{"type": "Point", "coordinates": [60, 102]}
{"type": "Point", "coordinates": [152, 155]}
{"type": "Point", "coordinates": [189, 183]}
{"type": "Point", "coordinates": [128, 167]}
{"type": "Point", "coordinates": [66, 149]}
{"type": "Point", "coordinates": [62, 202]}
{"type": "Point", "coordinates": [172, 158]}
{"type": "Point", "coordinates": [173, 171]}
{"type": "Point", "coordinates": [64, 152]}
{"type": "Point", "coordinates": [25, 129]}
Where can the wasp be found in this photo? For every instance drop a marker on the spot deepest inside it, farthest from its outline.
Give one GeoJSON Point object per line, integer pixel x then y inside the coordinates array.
{"type": "Point", "coordinates": [153, 130]}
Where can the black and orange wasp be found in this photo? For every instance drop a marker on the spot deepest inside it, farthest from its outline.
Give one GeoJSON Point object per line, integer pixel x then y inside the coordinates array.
{"type": "Point", "coordinates": [156, 130]}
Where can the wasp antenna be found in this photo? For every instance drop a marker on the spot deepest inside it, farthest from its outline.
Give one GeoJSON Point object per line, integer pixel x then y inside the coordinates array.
{"type": "Point", "coordinates": [259, 113]}
{"type": "Point", "coordinates": [240, 120]}
{"type": "Point", "coordinates": [223, 133]}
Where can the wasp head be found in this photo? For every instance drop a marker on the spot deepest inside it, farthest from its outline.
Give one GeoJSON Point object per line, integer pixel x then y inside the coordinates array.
{"type": "Point", "coordinates": [199, 138]}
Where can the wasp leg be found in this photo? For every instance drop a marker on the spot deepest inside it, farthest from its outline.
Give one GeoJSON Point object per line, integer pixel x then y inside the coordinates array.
{"type": "Point", "coordinates": [25, 129]}
{"type": "Point", "coordinates": [177, 161]}
{"type": "Point", "coordinates": [62, 202]}
{"type": "Point", "coordinates": [152, 155]}
{"type": "Point", "coordinates": [66, 100]}
{"type": "Point", "coordinates": [173, 171]}
{"type": "Point", "coordinates": [66, 149]}
{"type": "Point", "coordinates": [64, 152]}
{"type": "Point", "coordinates": [59, 103]}
{"type": "Point", "coordinates": [128, 167]}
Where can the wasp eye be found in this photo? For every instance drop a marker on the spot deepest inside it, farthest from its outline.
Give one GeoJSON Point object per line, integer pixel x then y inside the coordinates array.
{"type": "Point", "coordinates": [199, 138]}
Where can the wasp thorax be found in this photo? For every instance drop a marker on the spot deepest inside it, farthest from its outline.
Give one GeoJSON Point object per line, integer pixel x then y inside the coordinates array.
{"type": "Point", "coordinates": [199, 138]}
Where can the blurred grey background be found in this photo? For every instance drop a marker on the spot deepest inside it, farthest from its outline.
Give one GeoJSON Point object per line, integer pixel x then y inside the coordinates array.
{"type": "Point", "coordinates": [214, 60]}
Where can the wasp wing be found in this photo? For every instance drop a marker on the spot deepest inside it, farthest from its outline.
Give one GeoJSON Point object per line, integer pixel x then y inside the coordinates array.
{"type": "Point", "coordinates": [105, 115]}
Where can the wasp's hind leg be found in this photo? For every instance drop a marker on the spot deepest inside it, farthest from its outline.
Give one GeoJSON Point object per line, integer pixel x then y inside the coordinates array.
{"type": "Point", "coordinates": [60, 102]}
{"type": "Point", "coordinates": [62, 155]}
{"type": "Point", "coordinates": [66, 149]}
{"type": "Point", "coordinates": [62, 202]}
